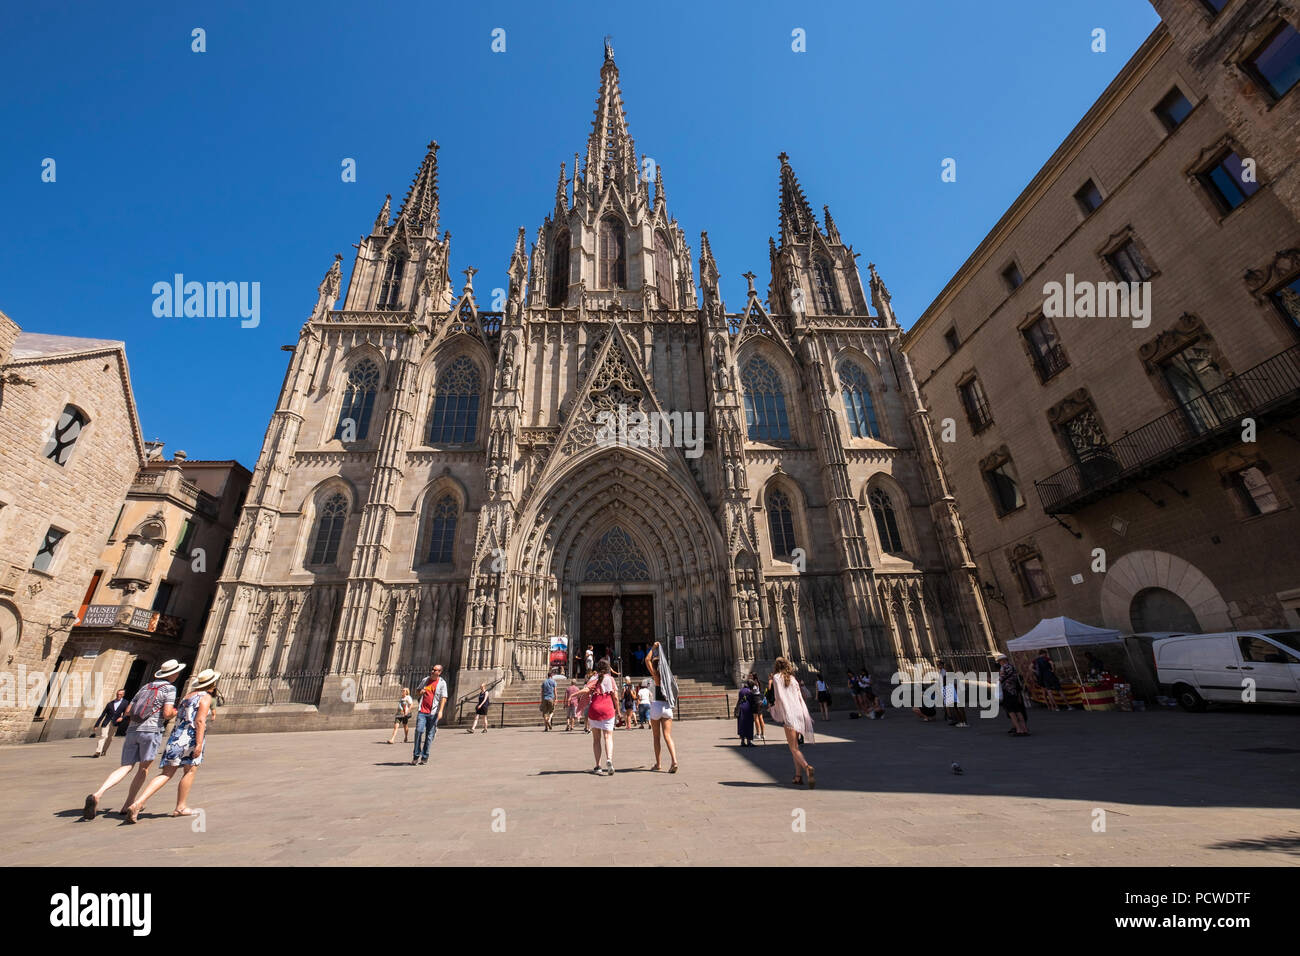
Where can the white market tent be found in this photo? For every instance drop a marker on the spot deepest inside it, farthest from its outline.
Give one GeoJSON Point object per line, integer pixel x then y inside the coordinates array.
{"type": "Point", "coordinates": [1067, 633]}
{"type": "Point", "coordinates": [1062, 632]}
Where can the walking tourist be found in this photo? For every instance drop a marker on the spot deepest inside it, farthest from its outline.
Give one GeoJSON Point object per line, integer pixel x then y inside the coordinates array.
{"type": "Point", "coordinates": [152, 706]}
{"type": "Point", "coordinates": [1045, 673]}
{"type": "Point", "coordinates": [661, 708]}
{"type": "Point", "coordinates": [789, 708]}
{"type": "Point", "coordinates": [588, 661]}
{"type": "Point", "coordinates": [758, 703]}
{"type": "Point", "coordinates": [644, 698]}
{"type": "Point", "coordinates": [109, 721]}
{"type": "Point", "coordinates": [1013, 701]}
{"type": "Point", "coordinates": [571, 704]}
{"type": "Point", "coordinates": [547, 704]}
{"type": "Point", "coordinates": [745, 715]}
{"type": "Point", "coordinates": [824, 697]}
{"type": "Point", "coordinates": [433, 701]}
{"type": "Point", "coordinates": [481, 709]}
{"type": "Point", "coordinates": [184, 746]}
{"type": "Point", "coordinates": [601, 714]}
{"type": "Point", "coordinates": [629, 704]}
{"type": "Point", "coordinates": [953, 711]}
{"type": "Point", "coordinates": [403, 717]}
{"type": "Point", "coordinates": [855, 691]}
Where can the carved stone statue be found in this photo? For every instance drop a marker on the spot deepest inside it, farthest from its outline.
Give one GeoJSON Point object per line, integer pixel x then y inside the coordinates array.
{"type": "Point", "coordinates": [616, 612]}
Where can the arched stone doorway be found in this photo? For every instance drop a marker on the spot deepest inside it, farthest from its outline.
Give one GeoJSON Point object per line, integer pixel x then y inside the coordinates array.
{"type": "Point", "coordinates": [1158, 609]}
{"type": "Point", "coordinates": [1140, 571]}
{"type": "Point", "coordinates": [627, 546]}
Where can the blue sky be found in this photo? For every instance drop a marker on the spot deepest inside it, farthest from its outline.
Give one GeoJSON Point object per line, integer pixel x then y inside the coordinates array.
{"type": "Point", "coordinates": [225, 165]}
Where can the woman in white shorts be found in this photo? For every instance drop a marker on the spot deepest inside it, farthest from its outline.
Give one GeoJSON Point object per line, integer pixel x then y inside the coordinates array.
{"type": "Point", "coordinates": [601, 714]}
{"type": "Point", "coordinates": [661, 708]}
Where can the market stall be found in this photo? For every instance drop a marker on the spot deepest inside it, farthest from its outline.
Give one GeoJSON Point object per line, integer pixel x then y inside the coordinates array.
{"type": "Point", "coordinates": [1090, 662]}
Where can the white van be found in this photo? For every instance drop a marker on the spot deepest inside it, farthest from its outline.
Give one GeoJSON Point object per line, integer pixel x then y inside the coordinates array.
{"type": "Point", "coordinates": [1198, 668]}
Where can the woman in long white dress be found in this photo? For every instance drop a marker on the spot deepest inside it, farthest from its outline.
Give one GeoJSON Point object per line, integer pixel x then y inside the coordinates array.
{"type": "Point", "coordinates": [791, 710]}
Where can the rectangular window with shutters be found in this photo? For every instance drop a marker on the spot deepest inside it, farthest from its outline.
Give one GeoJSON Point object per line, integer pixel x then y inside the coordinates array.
{"type": "Point", "coordinates": [1004, 487]}
{"type": "Point", "coordinates": [163, 598]}
{"type": "Point", "coordinates": [1255, 493]}
{"type": "Point", "coordinates": [1045, 348]}
{"type": "Point", "coordinates": [1033, 579]}
{"type": "Point", "coordinates": [187, 533]}
{"type": "Point", "coordinates": [976, 405]}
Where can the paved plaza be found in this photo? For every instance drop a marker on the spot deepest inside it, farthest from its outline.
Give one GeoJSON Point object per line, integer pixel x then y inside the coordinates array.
{"type": "Point", "coordinates": [1177, 789]}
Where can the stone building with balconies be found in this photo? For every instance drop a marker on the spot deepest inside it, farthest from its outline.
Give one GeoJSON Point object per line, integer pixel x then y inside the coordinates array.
{"type": "Point", "coordinates": [69, 445]}
{"type": "Point", "coordinates": [148, 597]}
{"type": "Point", "coordinates": [1140, 470]}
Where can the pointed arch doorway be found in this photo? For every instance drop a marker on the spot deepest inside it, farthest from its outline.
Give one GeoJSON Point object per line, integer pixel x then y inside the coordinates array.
{"type": "Point", "coordinates": [616, 602]}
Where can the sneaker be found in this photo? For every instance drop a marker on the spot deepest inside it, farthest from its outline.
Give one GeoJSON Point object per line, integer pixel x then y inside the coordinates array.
{"type": "Point", "coordinates": [414, 761]}
{"type": "Point", "coordinates": [423, 761]}
{"type": "Point", "coordinates": [962, 724]}
{"type": "Point", "coordinates": [609, 767]}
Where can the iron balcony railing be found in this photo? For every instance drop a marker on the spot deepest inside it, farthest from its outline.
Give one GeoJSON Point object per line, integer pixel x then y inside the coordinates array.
{"type": "Point", "coordinates": [1193, 428]}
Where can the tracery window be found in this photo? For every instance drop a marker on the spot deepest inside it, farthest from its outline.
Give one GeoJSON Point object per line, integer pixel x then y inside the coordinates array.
{"type": "Point", "coordinates": [765, 414]}
{"type": "Point", "coordinates": [613, 255]}
{"type": "Point", "coordinates": [329, 529]}
{"type": "Point", "coordinates": [442, 530]}
{"type": "Point", "coordinates": [616, 557]}
{"type": "Point", "coordinates": [663, 271]}
{"type": "Point", "coordinates": [390, 288]}
{"type": "Point", "coordinates": [559, 290]}
{"type": "Point", "coordinates": [828, 296]}
{"type": "Point", "coordinates": [358, 400]}
{"type": "Point", "coordinates": [780, 520]}
{"type": "Point", "coordinates": [882, 509]}
{"type": "Point", "coordinates": [455, 405]}
{"type": "Point", "coordinates": [855, 387]}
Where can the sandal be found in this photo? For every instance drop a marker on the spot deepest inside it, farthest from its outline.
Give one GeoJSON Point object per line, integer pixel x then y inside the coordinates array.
{"type": "Point", "coordinates": [673, 768]}
{"type": "Point", "coordinates": [797, 781]}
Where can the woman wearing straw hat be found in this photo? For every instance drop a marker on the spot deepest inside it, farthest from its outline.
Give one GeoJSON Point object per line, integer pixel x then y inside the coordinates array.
{"type": "Point", "coordinates": [184, 747]}
{"type": "Point", "coordinates": [151, 707]}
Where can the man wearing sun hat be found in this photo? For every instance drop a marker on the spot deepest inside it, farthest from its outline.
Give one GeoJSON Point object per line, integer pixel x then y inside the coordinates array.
{"type": "Point", "coordinates": [152, 706]}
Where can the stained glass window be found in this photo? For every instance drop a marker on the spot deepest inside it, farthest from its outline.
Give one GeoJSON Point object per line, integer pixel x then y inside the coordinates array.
{"type": "Point", "coordinates": [329, 529]}
{"type": "Point", "coordinates": [882, 509]}
{"type": "Point", "coordinates": [442, 530]}
{"type": "Point", "coordinates": [858, 408]}
{"type": "Point", "coordinates": [358, 400]}
{"type": "Point", "coordinates": [765, 413]}
{"type": "Point", "coordinates": [455, 405]}
{"type": "Point", "coordinates": [780, 522]}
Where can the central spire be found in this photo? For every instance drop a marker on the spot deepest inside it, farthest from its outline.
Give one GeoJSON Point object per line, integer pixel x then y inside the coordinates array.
{"type": "Point", "coordinates": [611, 154]}
{"type": "Point", "coordinates": [420, 207]}
{"type": "Point", "coordinates": [797, 220]}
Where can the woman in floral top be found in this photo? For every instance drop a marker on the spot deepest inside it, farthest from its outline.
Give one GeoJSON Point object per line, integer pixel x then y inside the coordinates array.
{"type": "Point", "coordinates": [184, 747]}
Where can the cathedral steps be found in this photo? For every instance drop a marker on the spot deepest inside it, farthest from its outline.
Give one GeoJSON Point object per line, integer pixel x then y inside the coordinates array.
{"type": "Point", "coordinates": [517, 705]}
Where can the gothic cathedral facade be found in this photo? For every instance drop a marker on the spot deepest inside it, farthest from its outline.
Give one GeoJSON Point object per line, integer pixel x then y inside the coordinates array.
{"type": "Point", "coordinates": [434, 484]}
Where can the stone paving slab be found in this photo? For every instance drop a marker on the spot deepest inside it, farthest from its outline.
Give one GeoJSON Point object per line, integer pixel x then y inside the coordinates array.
{"type": "Point", "coordinates": [1178, 789]}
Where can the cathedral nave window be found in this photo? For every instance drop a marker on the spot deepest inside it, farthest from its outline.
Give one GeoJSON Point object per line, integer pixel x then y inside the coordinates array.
{"type": "Point", "coordinates": [358, 401]}
{"type": "Point", "coordinates": [882, 509]}
{"type": "Point", "coordinates": [765, 414]}
{"type": "Point", "coordinates": [858, 407]}
{"type": "Point", "coordinates": [780, 521]}
{"type": "Point", "coordinates": [613, 255]}
{"type": "Point", "coordinates": [329, 530]}
{"type": "Point", "coordinates": [455, 404]}
{"type": "Point", "coordinates": [442, 530]}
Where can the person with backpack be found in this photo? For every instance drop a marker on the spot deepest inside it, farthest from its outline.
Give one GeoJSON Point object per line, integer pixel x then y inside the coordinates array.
{"type": "Point", "coordinates": [601, 714]}
{"type": "Point", "coordinates": [184, 750]}
{"type": "Point", "coordinates": [152, 706]}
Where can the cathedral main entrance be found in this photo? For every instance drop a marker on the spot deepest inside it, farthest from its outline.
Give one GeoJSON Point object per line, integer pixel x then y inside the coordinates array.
{"type": "Point", "coordinates": [618, 627]}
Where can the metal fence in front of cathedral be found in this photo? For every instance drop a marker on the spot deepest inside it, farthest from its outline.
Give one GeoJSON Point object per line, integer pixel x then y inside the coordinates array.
{"type": "Point", "coordinates": [304, 687]}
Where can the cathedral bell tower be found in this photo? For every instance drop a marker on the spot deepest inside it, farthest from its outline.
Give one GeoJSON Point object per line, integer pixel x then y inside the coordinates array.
{"type": "Point", "coordinates": [813, 271]}
{"type": "Point", "coordinates": [607, 244]}
{"type": "Point", "coordinates": [402, 265]}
